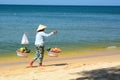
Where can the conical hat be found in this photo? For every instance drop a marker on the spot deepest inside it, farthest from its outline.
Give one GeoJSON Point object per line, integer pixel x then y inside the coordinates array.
{"type": "Point", "coordinates": [41, 27]}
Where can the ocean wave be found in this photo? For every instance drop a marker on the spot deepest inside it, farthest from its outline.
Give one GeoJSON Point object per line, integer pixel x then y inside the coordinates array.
{"type": "Point", "coordinates": [111, 47]}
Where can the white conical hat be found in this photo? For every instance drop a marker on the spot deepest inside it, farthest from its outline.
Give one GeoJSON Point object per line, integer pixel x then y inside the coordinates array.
{"type": "Point", "coordinates": [41, 27]}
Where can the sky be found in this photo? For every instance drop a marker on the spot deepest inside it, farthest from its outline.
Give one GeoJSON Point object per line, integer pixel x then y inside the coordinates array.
{"type": "Point", "coordinates": [62, 2]}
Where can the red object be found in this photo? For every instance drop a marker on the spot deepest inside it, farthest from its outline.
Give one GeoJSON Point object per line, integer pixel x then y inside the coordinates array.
{"type": "Point", "coordinates": [31, 63]}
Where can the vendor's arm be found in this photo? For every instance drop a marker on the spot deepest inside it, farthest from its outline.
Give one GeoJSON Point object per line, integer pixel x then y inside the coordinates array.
{"type": "Point", "coordinates": [47, 35]}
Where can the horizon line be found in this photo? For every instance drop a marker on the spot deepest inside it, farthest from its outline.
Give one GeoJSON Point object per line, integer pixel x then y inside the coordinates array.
{"type": "Point", "coordinates": [54, 5]}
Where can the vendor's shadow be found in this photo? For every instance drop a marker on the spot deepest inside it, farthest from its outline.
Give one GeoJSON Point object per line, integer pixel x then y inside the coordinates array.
{"type": "Point", "coordinates": [61, 64]}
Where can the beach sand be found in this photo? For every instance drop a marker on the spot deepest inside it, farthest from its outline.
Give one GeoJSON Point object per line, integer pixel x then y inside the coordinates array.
{"type": "Point", "coordinates": [104, 65]}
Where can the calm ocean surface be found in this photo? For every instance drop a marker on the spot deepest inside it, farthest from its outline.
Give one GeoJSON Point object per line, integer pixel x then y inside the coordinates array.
{"type": "Point", "coordinates": [79, 27]}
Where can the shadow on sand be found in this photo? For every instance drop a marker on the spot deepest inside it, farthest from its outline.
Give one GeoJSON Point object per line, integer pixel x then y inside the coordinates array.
{"type": "Point", "coordinates": [112, 73]}
{"type": "Point", "coordinates": [61, 64]}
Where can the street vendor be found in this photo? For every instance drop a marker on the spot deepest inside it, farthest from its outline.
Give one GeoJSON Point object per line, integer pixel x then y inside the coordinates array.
{"type": "Point", "coordinates": [39, 43]}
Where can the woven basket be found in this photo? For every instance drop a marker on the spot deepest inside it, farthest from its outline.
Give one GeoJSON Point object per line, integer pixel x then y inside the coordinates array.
{"type": "Point", "coordinates": [22, 54]}
{"type": "Point", "coordinates": [52, 54]}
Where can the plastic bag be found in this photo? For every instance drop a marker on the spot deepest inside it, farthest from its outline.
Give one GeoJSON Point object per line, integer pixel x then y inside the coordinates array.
{"type": "Point", "coordinates": [24, 39]}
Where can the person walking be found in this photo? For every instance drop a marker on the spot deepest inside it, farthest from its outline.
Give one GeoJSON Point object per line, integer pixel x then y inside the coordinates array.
{"type": "Point", "coordinates": [39, 43]}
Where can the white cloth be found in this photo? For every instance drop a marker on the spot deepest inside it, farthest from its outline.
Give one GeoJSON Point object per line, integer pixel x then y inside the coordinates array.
{"type": "Point", "coordinates": [40, 37]}
{"type": "Point", "coordinates": [24, 39]}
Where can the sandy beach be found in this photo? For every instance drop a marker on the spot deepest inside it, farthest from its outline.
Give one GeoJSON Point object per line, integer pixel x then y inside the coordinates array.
{"type": "Point", "coordinates": [104, 65]}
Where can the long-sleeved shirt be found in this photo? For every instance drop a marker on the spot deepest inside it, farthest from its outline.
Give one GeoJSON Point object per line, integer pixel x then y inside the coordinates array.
{"type": "Point", "coordinates": [40, 37]}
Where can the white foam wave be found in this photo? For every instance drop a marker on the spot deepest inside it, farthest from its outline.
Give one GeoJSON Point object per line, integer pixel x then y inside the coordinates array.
{"type": "Point", "coordinates": [111, 47]}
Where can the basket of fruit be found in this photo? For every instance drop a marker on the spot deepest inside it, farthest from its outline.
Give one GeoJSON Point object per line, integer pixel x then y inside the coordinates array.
{"type": "Point", "coordinates": [53, 52]}
{"type": "Point", "coordinates": [23, 52]}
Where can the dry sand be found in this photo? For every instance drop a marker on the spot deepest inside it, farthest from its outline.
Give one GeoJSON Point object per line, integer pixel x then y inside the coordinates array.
{"type": "Point", "coordinates": [105, 65]}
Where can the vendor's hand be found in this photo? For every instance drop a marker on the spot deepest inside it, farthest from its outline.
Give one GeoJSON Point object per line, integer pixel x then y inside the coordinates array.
{"type": "Point", "coordinates": [55, 31]}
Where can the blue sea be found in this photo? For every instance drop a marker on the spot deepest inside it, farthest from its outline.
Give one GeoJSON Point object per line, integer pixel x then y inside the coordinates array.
{"type": "Point", "coordinates": [79, 27]}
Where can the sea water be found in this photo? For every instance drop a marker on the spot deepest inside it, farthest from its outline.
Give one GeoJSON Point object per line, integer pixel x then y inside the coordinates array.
{"type": "Point", "coordinates": [79, 27]}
